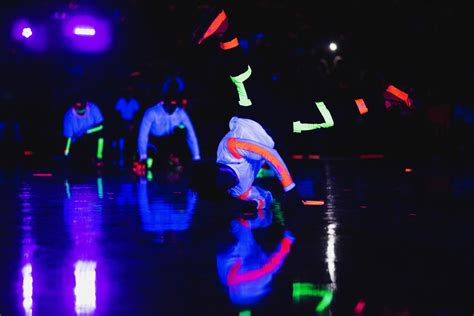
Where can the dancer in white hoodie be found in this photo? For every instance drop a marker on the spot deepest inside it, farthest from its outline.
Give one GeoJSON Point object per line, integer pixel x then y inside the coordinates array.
{"type": "Point", "coordinates": [240, 155]}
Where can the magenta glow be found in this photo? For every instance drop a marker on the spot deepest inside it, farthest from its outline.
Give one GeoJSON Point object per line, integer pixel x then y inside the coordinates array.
{"type": "Point", "coordinates": [88, 33]}
{"type": "Point", "coordinates": [84, 31]}
{"type": "Point", "coordinates": [18, 28]}
{"type": "Point", "coordinates": [26, 32]}
{"type": "Point", "coordinates": [33, 36]}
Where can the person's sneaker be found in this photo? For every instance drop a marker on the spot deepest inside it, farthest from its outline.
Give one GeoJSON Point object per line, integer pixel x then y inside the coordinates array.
{"type": "Point", "coordinates": [139, 168]}
{"type": "Point", "coordinates": [214, 23]}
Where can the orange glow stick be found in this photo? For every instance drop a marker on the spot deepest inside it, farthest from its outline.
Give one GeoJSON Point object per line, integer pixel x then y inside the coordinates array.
{"type": "Point", "coordinates": [399, 94]}
{"type": "Point", "coordinates": [313, 202]}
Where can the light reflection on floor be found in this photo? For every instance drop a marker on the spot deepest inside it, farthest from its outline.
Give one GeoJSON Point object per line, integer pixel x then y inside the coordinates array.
{"type": "Point", "coordinates": [386, 241]}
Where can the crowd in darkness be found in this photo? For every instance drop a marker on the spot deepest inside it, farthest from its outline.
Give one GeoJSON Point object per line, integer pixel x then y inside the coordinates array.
{"type": "Point", "coordinates": [399, 42]}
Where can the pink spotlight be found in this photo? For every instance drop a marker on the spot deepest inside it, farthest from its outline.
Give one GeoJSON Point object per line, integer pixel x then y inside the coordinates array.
{"type": "Point", "coordinates": [26, 32]}
{"type": "Point", "coordinates": [84, 31]}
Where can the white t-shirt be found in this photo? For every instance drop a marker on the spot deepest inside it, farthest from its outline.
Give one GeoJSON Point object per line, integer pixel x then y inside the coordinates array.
{"type": "Point", "coordinates": [76, 125]}
{"type": "Point", "coordinates": [127, 108]}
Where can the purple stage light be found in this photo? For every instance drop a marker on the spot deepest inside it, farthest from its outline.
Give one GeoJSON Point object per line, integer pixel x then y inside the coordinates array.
{"type": "Point", "coordinates": [84, 31]}
{"type": "Point", "coordinates": [87, 33]}
{"type": "Point", "coordinates": [85, 288]}
{"type": "Point", "coordinates": [17, 29]}
{"type": "Point", "coordinates": [33, 36]}
{"type": "Point", "coordinates": [27, 286]}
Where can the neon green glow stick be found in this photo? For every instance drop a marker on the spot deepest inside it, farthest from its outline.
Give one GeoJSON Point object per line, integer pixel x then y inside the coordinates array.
{"type": "Point", "coordinates": [95, 129]}
{"type": "Point", "coordinates": [149, 162]}
{"type": "Point", "coordinates": [326, 299]}
{"type": "Point", "coordinates": [100, 148]}
{"type": "Point", "coordinates": [245, 313]}
{"type": "Point", "coordinates": [298, 127]}
{"type": "Point", "coordinates": [239, 82]}
{"type": "Point", "coordinates": [68, 146]}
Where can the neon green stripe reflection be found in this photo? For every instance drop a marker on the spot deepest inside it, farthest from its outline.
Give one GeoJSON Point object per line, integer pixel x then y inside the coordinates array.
{"type": "Point", "coordinates": [100, 148]}
{"type": "Point", "coordinates": [309, 289]}
{"type": "Point", "coordinates": [100, 188]}
{"type": "Point", "coordinates": [68, 190]}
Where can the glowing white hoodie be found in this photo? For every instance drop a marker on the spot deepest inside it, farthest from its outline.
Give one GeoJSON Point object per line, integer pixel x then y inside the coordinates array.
{"type": "Point", "coordinates": [159, 123]}
{"type": "Point", "coordinates": [245, 148]}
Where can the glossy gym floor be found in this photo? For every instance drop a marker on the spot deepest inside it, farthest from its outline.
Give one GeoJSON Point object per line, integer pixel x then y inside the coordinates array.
{"type": "Point", "coordinates": [386, 237]}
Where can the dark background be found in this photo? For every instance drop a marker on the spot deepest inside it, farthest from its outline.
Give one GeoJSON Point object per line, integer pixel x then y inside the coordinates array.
{"type": "Point", "coordinates": [422, 47]}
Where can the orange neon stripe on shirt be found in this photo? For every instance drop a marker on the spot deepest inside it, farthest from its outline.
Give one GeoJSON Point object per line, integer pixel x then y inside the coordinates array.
{"type": "Point", "coordinates": [233, 144]}
{"type": "Point", "coordinates": [235, 278]}
{"type": "Point", "coordinates": [361, 106]}
{"type": "Point", "coordinates": [215, 24]}
{"type": "Point", "coordinates": [245, 194]}
{"type": "Point", "coordinates": [230, 44]}
{"type": "Point", "coordinates": [399, 94]}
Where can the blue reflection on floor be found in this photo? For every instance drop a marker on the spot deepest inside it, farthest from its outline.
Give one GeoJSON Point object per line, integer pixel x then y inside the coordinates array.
{"type": "Point", "coordinates": [392, 238]}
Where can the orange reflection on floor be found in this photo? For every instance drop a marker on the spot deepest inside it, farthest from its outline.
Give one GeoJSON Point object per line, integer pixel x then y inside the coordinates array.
{"type": "Point", "coordinates": [313, 202]}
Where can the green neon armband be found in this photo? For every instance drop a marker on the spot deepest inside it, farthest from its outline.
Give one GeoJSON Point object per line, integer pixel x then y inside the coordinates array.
{"type": "Point", "coordinates": [95, 129]}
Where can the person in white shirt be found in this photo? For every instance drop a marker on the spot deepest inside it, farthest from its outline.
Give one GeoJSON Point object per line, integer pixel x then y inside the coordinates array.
{"type": "Point", "coordinates": [127, 108]}
{"type": "Point", "coordinates": [167, 129]}
{"type": "Point", "coordinates": [241, 154]}
{"type": "Point", "coordinates": [247, 147]}
{"type": "Point", "coordinates": [83, 125]}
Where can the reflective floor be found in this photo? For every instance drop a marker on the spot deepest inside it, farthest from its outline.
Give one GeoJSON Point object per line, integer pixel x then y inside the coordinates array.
{"type": "Point", "coordinates": [391, 239]}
